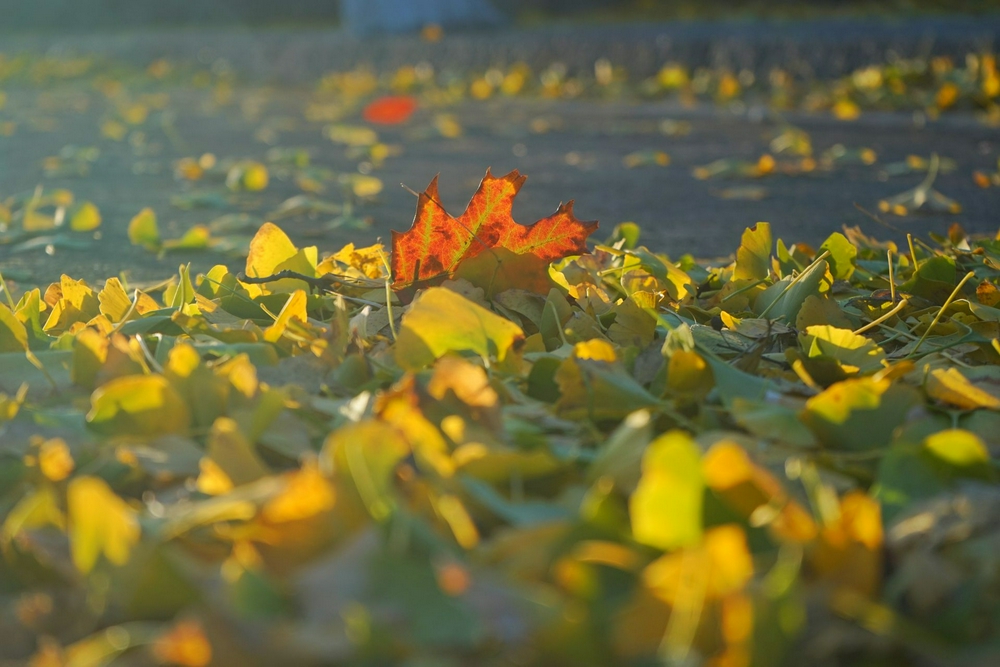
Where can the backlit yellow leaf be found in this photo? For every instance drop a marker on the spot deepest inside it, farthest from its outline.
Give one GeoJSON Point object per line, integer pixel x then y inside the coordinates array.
{"type": "Point", "coordinates": [666, 508]}
{"type": "Point", "coordinates": [235, 456]}
{"type": "Point", "coordinates": [86, 218]}
{"type": "Point", "coordinates": [294, 309]}
{"type": "Point", "coordinates": [721, 564]}
{"type": "Point", "coordinates": [440, 321]}
{"type": "Point", "coordinates": [948, 385]}
{"type": "Point", "coordinates": [272, 251]}
{"type": "Point", "coordinates": [307, 493]}
{"type": "Point", "coordinates": [958, 447]}
{"type": "Point", "coordinates": [99, 523]}
{"type": "Point", "coordinates": [138, 405]}
{"type": "Point", "coordinates": [143, 230]}
{"type": "Point", "coordinates": [55, 460]}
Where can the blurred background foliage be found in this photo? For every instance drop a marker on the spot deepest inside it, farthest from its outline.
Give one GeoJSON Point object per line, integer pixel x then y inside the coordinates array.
{"type": "Point", "coordinates": [82, 15]}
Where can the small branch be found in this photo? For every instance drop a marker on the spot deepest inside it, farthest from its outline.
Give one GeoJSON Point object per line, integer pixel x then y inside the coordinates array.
{"type": "Point", "coordinates": [324, 283]}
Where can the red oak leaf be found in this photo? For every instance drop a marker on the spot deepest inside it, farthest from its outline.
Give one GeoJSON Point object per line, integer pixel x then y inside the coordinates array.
{"type": "Point", "coordinates": [484, 244]}
{"type": "Point", "coordinates": [390, 110]}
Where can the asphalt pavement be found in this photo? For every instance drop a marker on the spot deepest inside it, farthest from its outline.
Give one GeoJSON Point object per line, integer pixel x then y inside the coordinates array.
{"type": "Point", "coordinates": [568, 149]}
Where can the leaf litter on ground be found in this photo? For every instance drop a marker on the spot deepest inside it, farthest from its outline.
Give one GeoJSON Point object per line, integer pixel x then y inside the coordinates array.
{"type": "Point", "coordinates": [492, 443]}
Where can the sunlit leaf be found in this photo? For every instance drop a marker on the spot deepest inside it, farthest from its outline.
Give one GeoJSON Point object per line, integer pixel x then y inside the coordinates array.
{"type": "Point", "coordinates": [666, 507]}
{"type": "Point", "coordinates": [846, 347]}
{"type": "Point", "coordinates": [753, 258]}
{"type": "Point", "coordinates": [13, 334]}
{"type": "Point", "coordinates": [951, 387]}
{"type": "Point", "coordinates": [138, 405]}
{"type": "Point", "coordinates": [100, 523]}
{"type": "Point", "coordinates": [440, 321]}
{"type": "Point", "coordinates": [436, 244]}
{"type": "Point", "coordinates": [272, 251]}
{"type": "Point", "coordinates": [143, 230]}
{"type": "Point", "coordinates": [185, 644]}
{"type": "Point", "coordinates": [859, 414]}
{"type": "Point", "coordinates": [86, 218]}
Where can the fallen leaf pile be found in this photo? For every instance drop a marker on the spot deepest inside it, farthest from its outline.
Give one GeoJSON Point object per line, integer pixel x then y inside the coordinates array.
{"type": "Point", "coordinates": [416, 456]}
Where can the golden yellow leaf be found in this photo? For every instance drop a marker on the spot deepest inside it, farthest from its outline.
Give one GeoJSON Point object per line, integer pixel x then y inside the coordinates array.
{"type": "Point", "coordinates": [86, 218]}
{"type": "Point", "coordinates": [596, 349]}
{"type": "Point", "coordinates": [230, 450]}
{"type": "Point", "coordinates": [55, 460]}
{"type": "Point", "coordinates": [958, 447]}
{"type": "Point", "coordinates": [294, 309]}
{"type": "Point", "coordinates": [440, 321]}
{"type": "Point", "coordinates": [467, 381]}
{"type": "Point", "coordinates": [950, 386]}
{"type": "Point", "coordinates": [115, 303]}
{"type": "Point", "coordinates": [666, 508]}
{"type": "Point", "coordinates": [272, 251]}
{"type": "Point", "coordinates": [721, 562]}
{"type": "Point", "coordinates": [307, 493]}
{"type": "Point", "coordinates": [143, 230]}
{"type": "Point", "coordinates": [36, 509]}
{"type": "Point", "coordinates": [138, 405]}
{"type": "Point", "coordinates": [212, 480]}
{"type": "Point", "coordinates": [99, 523]}
{"type": "Point", "coordinates": [849, 552]}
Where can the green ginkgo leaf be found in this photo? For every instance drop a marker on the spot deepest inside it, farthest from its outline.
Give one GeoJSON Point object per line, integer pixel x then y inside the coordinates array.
{"type": "Point", "coordinates": [440, 321]}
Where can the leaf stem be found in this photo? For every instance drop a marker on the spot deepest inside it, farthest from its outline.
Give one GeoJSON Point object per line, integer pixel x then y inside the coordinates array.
{"type": "Point", "coordinates": [741, 290]}
{"type": "Point", "coordinates": [940, 312]}
{"type": "Point", "coordinates": [10, 298]}
{"type": "Point", "coordinates": [892, 278]}
{"type": "Point", "coordinates": [388, 292]}
{"type": "Point", "coordinates": [796, 279]}
{"type": "Point", "coordinates": [874, 323]}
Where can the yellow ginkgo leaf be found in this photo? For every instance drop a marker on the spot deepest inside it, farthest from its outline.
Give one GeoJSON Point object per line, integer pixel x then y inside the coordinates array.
{"type": "Point", "coordinates": [138, 405]}
{"type": "Point", "coordinates": [307, 493]}
{"type": "Point", "coordinates": [13, 334]}
{"type": "Point", "coordinates": [249, 176]}
{"type": "Point", "coordinates": [719, 565]}
{"type": "Point", "coordinates": [235, 456]}
{"type": "Point", "coordinates": [143, 230]}
{"type": "Point", "coordinates": [351, 135]}
{"type": "Point", "coordinates": [363, 186]}
{"type": "Point", "coordinates": [272, 251]}
{"type": "Point", "coordinates": [115, 302]}
{"type": "Point", "coordinates": [99, 523]}
{"type": "Point", "coordinates": [55, 460]}
{"type": "Point", "coordinates": [958, 447]}
{"type": "Point", "coordinates": [294, 309]}
{"type": "Point", "coordinates": [185, 645]}
{"type": "Point", "coordinates": [86, 218]}
{"type": "Point", "coordinates": [666, 508]}
{"type": "Point", "coordinates": [37, 509]}
{"type": "Point", "coordinates": [441, 321]}
{"type": "Point", "coordinates": [212, 481]}
{"type": "Point", "coordinates": [951, 387]}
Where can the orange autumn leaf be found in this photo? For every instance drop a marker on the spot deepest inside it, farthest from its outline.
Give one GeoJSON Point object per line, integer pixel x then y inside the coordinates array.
{"type": "Point", "coordinates": [507, 254]}
{"type": "Point", "coordinates": [390, 110]}
{"type": "Point", "coordinates": [185, 644]}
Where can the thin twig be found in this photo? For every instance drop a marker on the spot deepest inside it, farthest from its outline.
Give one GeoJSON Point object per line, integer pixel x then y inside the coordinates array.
{"type": "Point", "coordinates": [324, 283]}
